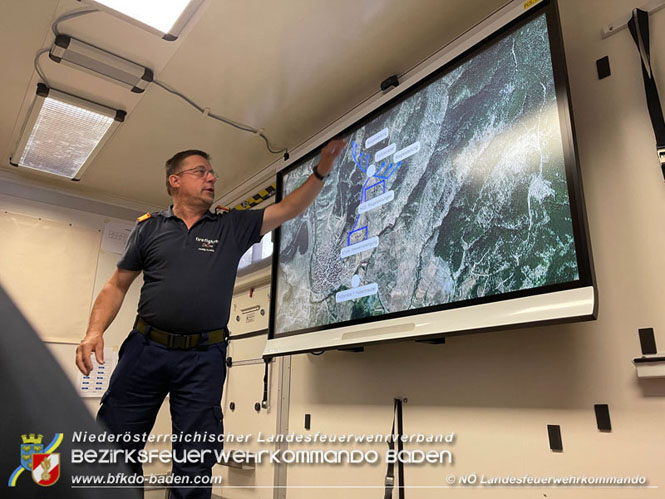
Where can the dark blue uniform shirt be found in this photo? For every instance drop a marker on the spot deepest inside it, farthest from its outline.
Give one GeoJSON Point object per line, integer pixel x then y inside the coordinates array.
{"type": "Point", "coordinates": [188, 275]}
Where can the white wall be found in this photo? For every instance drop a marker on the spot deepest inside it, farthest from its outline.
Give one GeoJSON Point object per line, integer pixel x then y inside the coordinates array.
{"type": "Point", "coordinates": [499, 391]}
{"type": "Point", "coordinates": [65, 352]}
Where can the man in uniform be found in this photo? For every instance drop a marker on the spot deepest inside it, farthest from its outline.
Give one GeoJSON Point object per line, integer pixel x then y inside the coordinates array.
{"type": "Point", "coordinates": [189, 258]}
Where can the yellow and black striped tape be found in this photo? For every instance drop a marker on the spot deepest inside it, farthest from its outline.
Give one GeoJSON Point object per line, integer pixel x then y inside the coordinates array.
{"type": "Point", "coordinates": [257, 198]}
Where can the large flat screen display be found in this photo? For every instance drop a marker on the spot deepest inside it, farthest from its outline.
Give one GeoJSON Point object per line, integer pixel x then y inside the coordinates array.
{"type": "Point", "coordinates": [463, 191]}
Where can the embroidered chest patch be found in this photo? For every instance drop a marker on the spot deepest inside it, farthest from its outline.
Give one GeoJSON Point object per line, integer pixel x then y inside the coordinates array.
{"type": "Point", "coordinates": [204, 244]}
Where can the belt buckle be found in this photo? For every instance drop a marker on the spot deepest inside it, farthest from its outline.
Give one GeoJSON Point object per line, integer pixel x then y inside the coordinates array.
{"type": "Point", "coordinates": [178, 341]}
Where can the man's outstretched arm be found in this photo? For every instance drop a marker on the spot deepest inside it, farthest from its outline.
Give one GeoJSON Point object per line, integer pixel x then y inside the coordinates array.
{"type": "Point", "coordinates": [104, 310]}
{"type": "Point", "coordinates": [298, 201]}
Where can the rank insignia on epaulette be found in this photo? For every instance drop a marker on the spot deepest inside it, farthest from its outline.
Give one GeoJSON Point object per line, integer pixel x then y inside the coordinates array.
{"type": "Point", "coordinates": [144, 217]}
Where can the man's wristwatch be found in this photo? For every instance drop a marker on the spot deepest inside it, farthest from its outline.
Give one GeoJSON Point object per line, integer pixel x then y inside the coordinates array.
{"type": "Point", "coordinates": [316, 173]}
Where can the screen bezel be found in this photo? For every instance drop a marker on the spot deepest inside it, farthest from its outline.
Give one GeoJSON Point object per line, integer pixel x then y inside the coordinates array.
{"type": "Point", "coordinates": [571, 165]}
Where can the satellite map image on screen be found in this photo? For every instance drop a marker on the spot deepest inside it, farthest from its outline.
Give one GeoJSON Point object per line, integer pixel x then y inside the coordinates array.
{"type": "Point", "coordinates": [457, 192]}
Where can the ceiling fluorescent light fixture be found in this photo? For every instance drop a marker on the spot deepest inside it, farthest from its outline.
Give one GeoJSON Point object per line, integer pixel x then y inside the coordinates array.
{"type": "Point", "coordinates": [77, 53]}
{"type": "Point", "coordinates": [63, 133]}
{"type": "Point", "coordinates": [165, 18]}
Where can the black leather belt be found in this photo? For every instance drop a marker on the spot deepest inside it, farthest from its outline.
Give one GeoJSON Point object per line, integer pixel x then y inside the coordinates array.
{"type": "Point", "coordinates": [180, 341]}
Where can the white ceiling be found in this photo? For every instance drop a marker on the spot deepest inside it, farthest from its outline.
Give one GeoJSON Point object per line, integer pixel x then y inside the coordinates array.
{"type": "Point", "coordinates": [290, 67]}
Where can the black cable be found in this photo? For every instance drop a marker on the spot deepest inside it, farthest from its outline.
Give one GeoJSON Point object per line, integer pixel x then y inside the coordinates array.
{"type": "Point", "coordinates": [235, 124]}
{"type": "Point", "coordinates": [54, 28]}
{"type": "Point", "coordinates": [274, 151]}
{"type": "Point", "coordinates": [240, 126]}
{"type": "Point", "coordinates": [69, 15]}
{"type": "Point", "coordinates": [264, 401]}
{"type": "Point", "coordinates": [38, 68]}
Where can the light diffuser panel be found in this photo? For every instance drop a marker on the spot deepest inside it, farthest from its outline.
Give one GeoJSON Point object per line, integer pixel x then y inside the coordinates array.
{"type": "Point", "coordinates": [63, 133]}
{"type": "Point", "coordinates": [159, 14]}
{"type": "Point", "coordinates": [166, 17]}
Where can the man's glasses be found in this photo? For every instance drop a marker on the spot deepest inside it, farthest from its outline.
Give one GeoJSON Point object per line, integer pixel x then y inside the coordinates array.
{"type": "Point", "coordinates": [199, 171]}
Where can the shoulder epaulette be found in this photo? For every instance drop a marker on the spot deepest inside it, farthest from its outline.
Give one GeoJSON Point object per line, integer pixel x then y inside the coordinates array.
{"type": "Point", "coordinates": [144, 217]}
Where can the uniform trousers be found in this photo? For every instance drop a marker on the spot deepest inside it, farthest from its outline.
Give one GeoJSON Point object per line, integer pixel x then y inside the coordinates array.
{"type": "Point", "coordinates": [146, 372]}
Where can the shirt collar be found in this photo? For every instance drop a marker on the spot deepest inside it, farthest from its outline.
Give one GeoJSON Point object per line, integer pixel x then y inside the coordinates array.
{"type": "Point", "coordinates": [168, 213]}
{"type": "Point", "coordinates": [209, 215]}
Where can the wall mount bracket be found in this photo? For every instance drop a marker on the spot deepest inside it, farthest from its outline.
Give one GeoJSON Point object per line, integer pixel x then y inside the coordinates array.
{"type": "Point", "coordinates": [621, 24]}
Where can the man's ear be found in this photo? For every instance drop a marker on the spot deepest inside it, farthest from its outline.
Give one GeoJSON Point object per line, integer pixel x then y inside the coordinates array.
{"type": "Point", "coordinates": [174, 181]}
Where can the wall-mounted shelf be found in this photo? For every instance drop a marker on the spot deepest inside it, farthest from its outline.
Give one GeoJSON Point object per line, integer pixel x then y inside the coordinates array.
{"type": "Point", "coordinates": [650, 366]}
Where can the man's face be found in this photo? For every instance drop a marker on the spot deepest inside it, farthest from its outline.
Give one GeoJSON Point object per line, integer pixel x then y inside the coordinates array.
{"type": "Point", "coordinates": [195, 181]}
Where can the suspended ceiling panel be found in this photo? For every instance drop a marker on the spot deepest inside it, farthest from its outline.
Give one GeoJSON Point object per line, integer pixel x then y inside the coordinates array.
{"type": "Point", "coordinates": [290, 68]}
